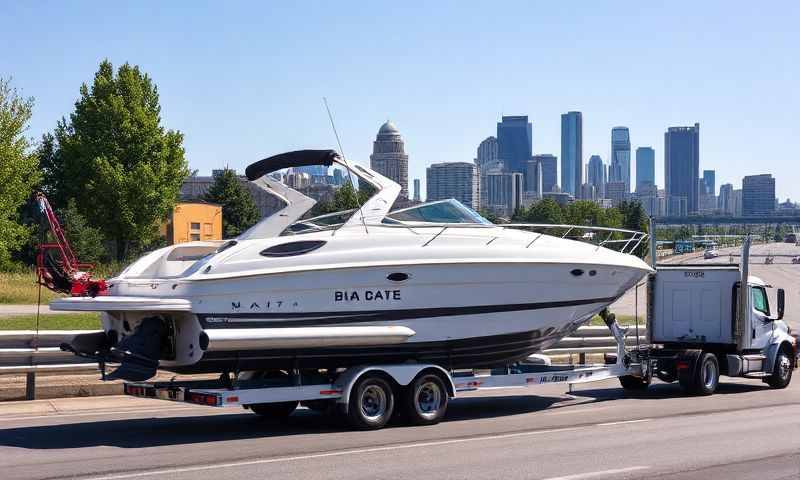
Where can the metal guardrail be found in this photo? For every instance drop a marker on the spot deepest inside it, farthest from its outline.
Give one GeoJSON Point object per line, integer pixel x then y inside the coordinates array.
{"type": "Point", "coordinates": [25, 351]}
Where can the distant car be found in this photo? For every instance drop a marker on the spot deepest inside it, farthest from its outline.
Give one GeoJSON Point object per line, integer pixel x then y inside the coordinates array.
{"type": "Point", "coordinates": [710, 253]}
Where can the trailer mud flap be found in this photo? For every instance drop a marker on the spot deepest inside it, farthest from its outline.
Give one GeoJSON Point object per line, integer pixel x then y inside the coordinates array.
{"type": "Point", "coordinates": [686, 366]}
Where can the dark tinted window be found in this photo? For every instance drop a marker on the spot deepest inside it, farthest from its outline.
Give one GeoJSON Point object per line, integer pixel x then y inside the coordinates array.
{"type": "Point", "coordinates": [292, 248]}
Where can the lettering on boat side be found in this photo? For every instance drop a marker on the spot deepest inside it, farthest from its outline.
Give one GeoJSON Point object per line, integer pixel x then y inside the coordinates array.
{"type": "Point", "coordinates": [366, 295]}
{"type": "Point", "coordinates": [264, 305]}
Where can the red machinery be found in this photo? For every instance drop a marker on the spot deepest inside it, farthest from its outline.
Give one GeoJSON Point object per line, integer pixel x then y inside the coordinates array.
{"type": "Point", "coordinates": [57, 268]}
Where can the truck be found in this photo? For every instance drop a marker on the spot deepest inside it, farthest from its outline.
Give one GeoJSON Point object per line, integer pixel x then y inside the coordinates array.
{"type": "Point", "coordinates": [704, 321]}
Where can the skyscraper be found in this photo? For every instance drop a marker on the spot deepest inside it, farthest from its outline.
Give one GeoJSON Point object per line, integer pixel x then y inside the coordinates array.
{"type": "Point", "coordinates": [503, 192]}
{"type": "Point", "coordinates": [709, 182]}
{"type": "Point", "coordinates": [620, 168]}
{"type": "Point", "coordinates": [571, 152]}
{"type": "Point", "coordinates": [416, 190]}
{"type": "Point", "coordinates": [515, 142]}
{"type": "Point", "coordinates": [549, 166]}
{"type": "Point", "coordinates": [682, 166]}
{"type": "Point", "coordinates": [389, 157]}
{"type": "Point", "coordinates": [726, 201]}
{"type": "Point", "coordinates": [596, 175]}
{"type": "Point", "coordinates": [487, 152]}
{"type": "Point", "coordinates": [457, 180]}
{"type": "Point", "coordinates": [645, 166]}
{"type": "Point", "coordinates": [758, 195]}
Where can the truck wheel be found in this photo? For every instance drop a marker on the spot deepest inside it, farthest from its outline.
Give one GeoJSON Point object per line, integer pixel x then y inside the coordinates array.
{"type": "Point", "coordinates": [425, 400]}
{"type": "Point", "coordinates": [273, 411]}
{"type": "Point", "coordinates": [629, 382]}
{"type": "Point", "coordinates": [371, 403]}
{"type": "Point", "coordinates": [707, 375]}
{"type": "Point", "coordinates": [781, 372]}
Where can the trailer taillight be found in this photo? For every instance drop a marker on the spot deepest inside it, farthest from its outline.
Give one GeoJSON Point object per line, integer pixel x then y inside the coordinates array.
{"type": "Point", "coordinates": [204, 399]}
{"type": "Point", "coordinates": [681, 365]}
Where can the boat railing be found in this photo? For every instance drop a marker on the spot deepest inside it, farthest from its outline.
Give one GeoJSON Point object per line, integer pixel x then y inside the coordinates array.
{"type": "Point", "coordinates": [628, 240]}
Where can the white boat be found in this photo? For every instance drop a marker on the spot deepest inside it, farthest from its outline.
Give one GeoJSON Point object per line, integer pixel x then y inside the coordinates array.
{"type": "Point", "coordinates": [433, 283]}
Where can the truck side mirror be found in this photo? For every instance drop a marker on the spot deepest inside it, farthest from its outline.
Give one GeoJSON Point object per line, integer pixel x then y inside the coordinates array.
{"type": "Point", "coordinates": [781, 302]}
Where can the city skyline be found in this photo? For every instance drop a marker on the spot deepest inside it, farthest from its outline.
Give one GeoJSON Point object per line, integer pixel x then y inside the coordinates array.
{"type": "Point", "coordinates": [240, 93]}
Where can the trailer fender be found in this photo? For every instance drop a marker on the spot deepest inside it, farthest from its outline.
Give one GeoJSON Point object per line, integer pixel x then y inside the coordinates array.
{"type": "Point", "coordinates": [401, 374]}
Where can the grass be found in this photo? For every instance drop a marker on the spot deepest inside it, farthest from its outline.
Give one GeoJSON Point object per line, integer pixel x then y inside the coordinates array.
{"type": "Point", "coordinates": [21, 288]}
{"type": "Point", "coordinates": [624, 320]}
{"type": "Point", "coordinates": [72, 321]}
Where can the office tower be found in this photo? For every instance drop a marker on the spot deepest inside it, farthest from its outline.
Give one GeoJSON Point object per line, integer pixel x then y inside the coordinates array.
{"type": "Point", "coordinates": [504, 192]}
{"type": "Point", "coordinates": [620, 168]}
{"type": "Point", "coordinates": [709, 182]}
{"type": "Point", "coordinates": [682, 166]}
{"type": "Point", "coordinates": [514, 142]}
{"type": "Point", "coordinates": [533, 178]}
{"type": "Point", "coordinates": [457, 180]}
{"type": "Point", "coordinates": [617, 192]}
{"type": "Point", "coordinates": [487, 152]}
{"type": "Point", "coordinates": [596, 175]}
{"type": "Point", "coordinates": [647, 194]}
{"type": "Point", "coordinates": [416, 190]}
{"type": "Point", "coordinates": [725, 202]}
{"type": "Point", "coordinates": [549, 166]}
{"type": "Point", "coordinates": [645, 166]}
{"type": "Point", "coordinates": [312, 170]}
{"type": "Point", "coordinates": [571, 152]}
{"type": "Point", "coordinates": [389, 157]}
{"type": "Point", "coordinates": [758, 195]}
{"type": "Point", "coordinates": [737, 203]}
{"type": "Point", "coordinates": [588, 192]}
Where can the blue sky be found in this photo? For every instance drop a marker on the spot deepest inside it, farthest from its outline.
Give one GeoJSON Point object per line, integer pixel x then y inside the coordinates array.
{"type": "Point", "coordinates": [244, 80]}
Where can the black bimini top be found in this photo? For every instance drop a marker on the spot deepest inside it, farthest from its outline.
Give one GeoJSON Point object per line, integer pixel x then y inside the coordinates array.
{"type": "Point", "coordinates": [299, 158]}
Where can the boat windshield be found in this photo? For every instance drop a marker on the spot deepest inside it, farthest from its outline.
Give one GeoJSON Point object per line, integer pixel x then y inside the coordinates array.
{"type": "Point", "coordinates": [441, 211]}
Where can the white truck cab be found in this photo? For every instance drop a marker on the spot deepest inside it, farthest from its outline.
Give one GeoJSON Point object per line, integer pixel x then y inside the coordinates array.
{"type": "Point", "coordinates": [701, 324]}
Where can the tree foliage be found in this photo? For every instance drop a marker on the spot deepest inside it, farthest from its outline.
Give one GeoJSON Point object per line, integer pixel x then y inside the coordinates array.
{"type": "Point", "coordinates": [88, 243]}
{"type": "Point", "coordinates": [239, 212]}
{"type": "Point", "coordinates": [344, 198]}
{"type": "Point", "coordinates": [18, 168]}
{"type": "Point", "coordinates": [114, 158]}
{"type": "Point", "coordinates": [543, 211]}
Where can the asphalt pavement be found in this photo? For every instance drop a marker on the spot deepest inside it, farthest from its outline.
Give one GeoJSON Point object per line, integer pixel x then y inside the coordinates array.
{"type": "Point", "coordinates": [746, 430]}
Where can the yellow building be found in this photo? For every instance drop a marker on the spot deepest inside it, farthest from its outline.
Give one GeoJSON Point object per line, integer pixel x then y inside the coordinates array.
{"type": "Point", "coordinates": [192, 221]}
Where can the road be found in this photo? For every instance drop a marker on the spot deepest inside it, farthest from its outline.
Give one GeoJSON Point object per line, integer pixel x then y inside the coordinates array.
{"type": "Point", "coordinates": [744, 431]}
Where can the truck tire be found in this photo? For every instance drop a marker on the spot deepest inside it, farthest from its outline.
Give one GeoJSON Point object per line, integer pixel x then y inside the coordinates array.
{"type": "Point", "coordinates": [425, 400]}
{"type": "Point", "coordinates": [706, 377]}
{"type": "Point", "coordinates": [629, 382]}
{"type": "Point", "coordinates": [781, 371]}
{"type": "Point", "coordinates": [371, 403]}
{"type": "Point", "coordinates": [273, 411]}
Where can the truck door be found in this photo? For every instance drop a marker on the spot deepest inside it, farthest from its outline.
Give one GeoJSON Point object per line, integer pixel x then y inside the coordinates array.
{"type": "Point", "coordinates": [760, 323]}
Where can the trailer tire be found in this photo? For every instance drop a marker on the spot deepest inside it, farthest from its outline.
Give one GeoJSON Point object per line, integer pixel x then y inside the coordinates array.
{"type": "Point", "coordinates": [629, 382]}
{"type": "Point", "coordinates": [371, 402]}
{"type": "Point", "coordinates": [706, 376]}
{"type": "Point", "coordinates": [781, 371]}
{"type": "Point", "coordinates": [273, 411]}
{"type": "Point", "coordinates": [425, 400]}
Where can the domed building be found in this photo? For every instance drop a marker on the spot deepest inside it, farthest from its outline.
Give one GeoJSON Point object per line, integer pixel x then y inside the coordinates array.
{"type": "Point", "coordinates": [389, 157]}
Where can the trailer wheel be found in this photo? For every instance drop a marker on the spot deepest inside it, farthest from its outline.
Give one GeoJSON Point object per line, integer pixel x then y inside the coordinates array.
{"type": "Point", "coordinates": [371, 403]}
{"type": "Point", "coordinates": [425, 400]}
{"type": "Point", "coordinates": [781, 371]}
{"type": "Point", "coordinates": [273, 411]}
{"type": "Point", "coordinates": [705, 378]}
{"type": "Point", "coordinates": [629, 382]}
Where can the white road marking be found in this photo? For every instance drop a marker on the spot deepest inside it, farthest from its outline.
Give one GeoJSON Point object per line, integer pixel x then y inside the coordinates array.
{"type": "Point", "coordinates": [361, 451]}
{"type": "Point", "coordinates": [624, 422]}
{"type": "Point", "coordinates": [601, 473]}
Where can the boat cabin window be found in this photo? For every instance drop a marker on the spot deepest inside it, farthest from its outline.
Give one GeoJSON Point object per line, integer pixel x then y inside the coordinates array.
{"type": "Point", "coordinates": [760, 302]}
{"type": "Point", "coordinates": [292, 248]}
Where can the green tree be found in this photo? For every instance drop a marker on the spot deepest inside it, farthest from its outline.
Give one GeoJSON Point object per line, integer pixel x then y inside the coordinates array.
{"type": "Point", "coordinates": [87, 242]}
{"type": "Point", "coordinates": [113, 156]}
{"type": "Point", "coordinates": [239, 212]}
{"type": "Point", "coordinates": [543, 211]}
{"type": "Point", "coordinates": [18, 168]}
{"type": "Point", "coordinates": [634, 216]}
{"type": "Point", "coordinates": [344, 198]}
